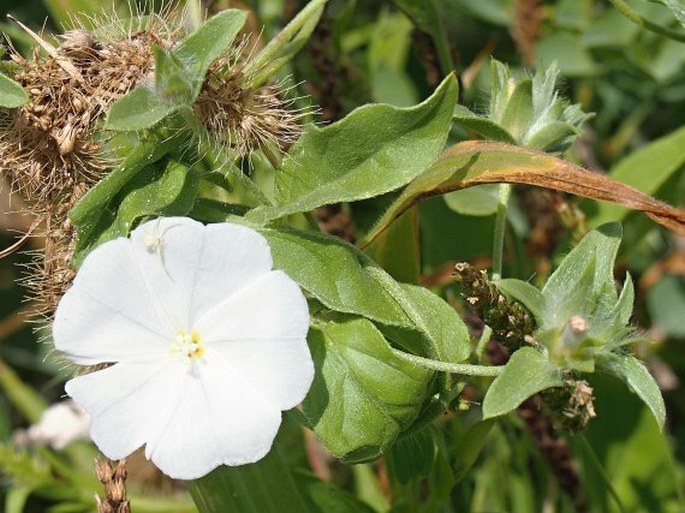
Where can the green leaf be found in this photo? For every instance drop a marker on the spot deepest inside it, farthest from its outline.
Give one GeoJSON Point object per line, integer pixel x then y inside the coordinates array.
{"type": "Point", "coordinates": [285, 45]}
{"type": "Point", "coordinates": [179, 74]}
{"type": "Point", "coordinates": [481, 200]}
{"type": "Point", "coordinates": [566, 49]}
{"type": "Point", "coordinates": [201, 48]}
{"type": "Point", "coordinates": [16, 498]}
{"type": "Point", "coordinates": [584, 281]}
{"type": "Point", "coordinates": [449, 336]}
{"type": "Point", "coordinates": [345, 280]}
{"type": "Point", "coordinates": [162, 191]}
{"type": "Point", "coordinates": [527, 373]}
{"type": "Point", "coordinates": [634, 374]}
{"type": "Point", "coordinates": [139, 109]}
{"type": "Point", "coordinates": [666, 304]}
{"type": "Point", "coordinates": [331, 499]}
{"type": "Point", "coordinates": [93, 208]}
{"type": "Point", "coordinates": [412, 457]}
{"type": "Point", "coordinates": [494, 12]}
{"type": "Point", "coordinates": [67, 13]}
{"type": "Point", "coordinates": [173, 86]}
{"type": "Point", "coordinates": [28, 401]}
{"type": "Point", "coordinates": [267, 486]}
{"type": "Point", "coordinates": [335, 273]}
{"type": "Point", "coordinates": [526, 294]}
{"type": "Point", "coordinates": [677, 7]}
{"type": "Point", "coordinates": [373, 150]}
{"type": "Point", "coordinates": [12, 94]}
{"type": "Point", "coordinates": [646, 169]}
{"type": "Point", "coordinates": [397, 249]}
{"type": "Point", "coordinates": [552, 136]}
{"type": "Point", "coordinates": [469, 447]}
{"type": "Point", "coordinates": [623, 309]}
{"type": "Point", "coordinates": [353, 410]}
{"type": "Point", "coordinates": [428, 17]}
{"type": "Point", "coordinates": [518, 114]}
{"type": "Point", "coordinates": [483, 126]}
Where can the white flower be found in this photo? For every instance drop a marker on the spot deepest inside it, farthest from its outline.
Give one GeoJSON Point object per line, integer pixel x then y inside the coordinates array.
{"type": "Point", "coordinates": [208, 345]}
{"type": "Point", "coordinates": [59, 425]}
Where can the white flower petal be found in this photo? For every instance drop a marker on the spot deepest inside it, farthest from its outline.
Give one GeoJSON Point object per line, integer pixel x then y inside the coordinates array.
{"type": "Point", "coordinates": [217, 419]}
{"type": "Point", "coordinates": [281, 370]}
{"type": "Point", "coordinates": [211, 344]}
{"type": "Point", "coordinates": [269, 307]}
{"type": "Point", "coordinates": [59, 425]}
{"type": "Point", "coordinates": [125, 402]}
{"type": "Point", "coordinates": [194, 267]}
{"type": "Point", "coordinates": [108, 315]}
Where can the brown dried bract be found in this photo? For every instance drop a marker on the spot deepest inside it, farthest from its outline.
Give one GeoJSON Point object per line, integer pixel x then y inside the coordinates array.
{"type": "Point", "coordinates": [242, 118]}
{"type": "Point", "coordinates": [52, 148]}
{"type": "Point", "coordinates": [113, 477]}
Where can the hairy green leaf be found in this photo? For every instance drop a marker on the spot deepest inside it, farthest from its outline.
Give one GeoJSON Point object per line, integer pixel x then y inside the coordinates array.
{"type": "Point", "coordinates": [527, 373]}
{"type": "Point", "coordinates": [526, 294]}
{"type": "Point", "coordinates": [335, 273]}
{"type": "Point", "coordinates": [285, 45]}
{"type": "Point", "coordinates": [179, 74]}
{"type": "Point", "coordinates": [483, 126]}
{"type": "Point", "coordinates": [139, 109]}
{"type": "Point", "coordinates": [634, 374]}
{"type": "Point", "coordinates": [373, 150]}
{"type": "Point", "coordinates": [12, 95]}
{"type": "Point", "coordinates": [584, 281]}
{"type": "Point", "coordinates": [161, 191]}
{"type": "Point", "coordinates": [201, 48]}
{"type": "Point", "coordinates": [93, 213]}
{"type": "Point", "coordinates": [353, 410]}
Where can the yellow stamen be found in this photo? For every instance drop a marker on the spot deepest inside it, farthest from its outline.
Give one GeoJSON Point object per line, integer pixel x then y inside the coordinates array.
{"type": "Point", "coordinates": [188, 345]}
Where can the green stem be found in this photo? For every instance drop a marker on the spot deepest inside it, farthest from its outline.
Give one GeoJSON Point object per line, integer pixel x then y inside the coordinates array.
{"type": "Point", "coordinates": [500, 228]}
{"type": "Point", "coordinates": [602, 473]}
{"type": "Point", "coordinates": [640, 20]}
{"type": "Point", "coordinates": [453, 368]}
{"type": "Point", "coordinates": [483, 341]}
{"type": "Point", "coordinates": [442, 48]}
{"type": "Point", "coordinates": [194, 10]}
{"type": "Point", "coordinates": [284, 45]}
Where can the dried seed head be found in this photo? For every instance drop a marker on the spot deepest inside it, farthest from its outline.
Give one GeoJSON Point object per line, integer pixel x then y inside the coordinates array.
{"type": "Point", "coordinates": [571, 405]}
{"type": "Point", "coordinates": [52, 148]}
{"type": "Point", "coordinates": [243, 118]}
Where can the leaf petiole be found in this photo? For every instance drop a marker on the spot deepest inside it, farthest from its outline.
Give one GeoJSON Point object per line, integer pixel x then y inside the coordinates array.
{"type": "Point", "coordinates": [453, 368]}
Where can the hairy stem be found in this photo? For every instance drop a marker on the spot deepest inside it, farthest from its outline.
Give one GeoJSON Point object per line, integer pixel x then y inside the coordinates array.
{"type": "Point", "coordinates": [500, 228]}
{"type": "Point", "coordinates": [640, 20]}
{"type": "Point", "coordinates": [453, 368]}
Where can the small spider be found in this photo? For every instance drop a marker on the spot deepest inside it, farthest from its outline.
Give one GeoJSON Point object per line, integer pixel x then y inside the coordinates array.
{"type": "Point", "coordinates": [154, 242]}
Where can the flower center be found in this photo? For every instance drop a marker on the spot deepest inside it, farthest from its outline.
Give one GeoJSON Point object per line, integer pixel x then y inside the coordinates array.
{"type": "Point", "coordinates": [188, 346]}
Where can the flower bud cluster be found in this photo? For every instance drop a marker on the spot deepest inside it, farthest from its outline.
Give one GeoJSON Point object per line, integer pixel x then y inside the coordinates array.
{"type": "Point", "coordinates": [531, 111]}
{"type": "Point", "coordinates": [510, 322]}
{"type": "Point", "coordinates": [571, 406]}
